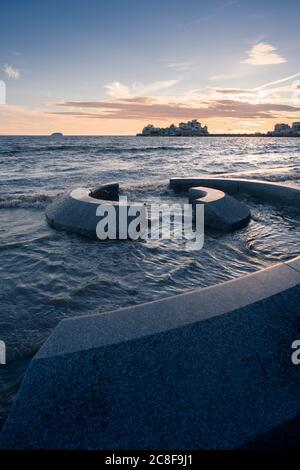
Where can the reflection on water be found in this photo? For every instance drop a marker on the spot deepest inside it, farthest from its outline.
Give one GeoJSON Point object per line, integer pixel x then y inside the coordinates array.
{"type": "Point", "coordinates": [47, 275]}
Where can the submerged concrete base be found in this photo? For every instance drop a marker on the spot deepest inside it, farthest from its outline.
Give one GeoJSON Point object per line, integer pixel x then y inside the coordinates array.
{"type": "Point", "coordinates": [208, 369]}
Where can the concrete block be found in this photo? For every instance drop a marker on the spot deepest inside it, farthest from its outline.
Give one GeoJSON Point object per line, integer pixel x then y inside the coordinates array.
{"type": "Point", "coordinates": [294, 263]}
{"type": "Point", "coordinates": [273, 192]}
{"type": "Point", "coordinates": [108, 192]}
{"type": "Point", "coordinates": [213, 384]}
{"type": "Point", "coordinates": [221, 212]}
{"type": "Point", "coordinates": [209, 369]}
{"type": "Point", "coordinates": [264, 190]}
{"type": "Point", "coordinates": [76, 211]}
{"type": "Point", "coordinates": [229, 186]}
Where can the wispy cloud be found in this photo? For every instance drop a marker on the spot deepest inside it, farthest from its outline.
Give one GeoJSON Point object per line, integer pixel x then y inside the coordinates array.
{"type": "Point", "coordinates": [154, 109]}
{"type": "Point", "coordinates": [11, 72]}
{"type": "Point", "coordinates": [224, 76]}
{"type": "Point", "coordinates": [118, 90]}
{"type": "Point", "coordinates": [233, 91]}
{"type": "Point", "coordinates": [263, 54]}
{"type": "Point", "coordinates": [179, 66]}
{"type": "Point", "coordinates": [279, 87]}
{"type": "Point", "coordinates": [278, 82]}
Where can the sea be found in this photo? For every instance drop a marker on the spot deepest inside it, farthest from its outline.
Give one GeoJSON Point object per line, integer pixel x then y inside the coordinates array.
{"type": "Point", "coordinates": [48, 275]}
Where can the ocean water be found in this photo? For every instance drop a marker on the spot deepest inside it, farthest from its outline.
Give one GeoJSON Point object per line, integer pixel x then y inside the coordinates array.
{"type": "Point", "coordinates": [46, 275]}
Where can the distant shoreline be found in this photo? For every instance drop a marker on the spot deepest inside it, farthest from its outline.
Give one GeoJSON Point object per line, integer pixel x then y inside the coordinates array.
{"type": "Point", "coordinates": [146, 136]}
{"type": "Point", "coordinates": [222, 135]}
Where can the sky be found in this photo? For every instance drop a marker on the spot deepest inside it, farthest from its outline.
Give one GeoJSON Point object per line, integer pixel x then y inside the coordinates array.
{"type": "Point", "coordinates": [98, 67]}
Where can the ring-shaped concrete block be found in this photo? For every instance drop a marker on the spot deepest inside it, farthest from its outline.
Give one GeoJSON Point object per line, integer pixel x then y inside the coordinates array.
{"type": "Point", "coordinates": [221, 211]}
{"type": "Point", "coordinates": [78, 212]}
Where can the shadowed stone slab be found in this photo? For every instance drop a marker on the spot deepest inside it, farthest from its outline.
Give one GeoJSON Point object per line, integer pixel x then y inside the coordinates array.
{"type": "Point", "coordinates": [229, 186]}
{"type": "Point", "coordinates": [294, 263]}
{"type": "Point", "coordinates": [272, 192]}
{"type": "Point", "coordinates": [209, 369]}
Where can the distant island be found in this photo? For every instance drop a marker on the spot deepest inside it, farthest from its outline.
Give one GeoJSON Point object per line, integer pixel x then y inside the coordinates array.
{"type": "Point", "coordinates": [56, 134]}
{"type": "Point", "coordinates": [185, 129]}
{"type": "Point", "coordinates": [195, 129]}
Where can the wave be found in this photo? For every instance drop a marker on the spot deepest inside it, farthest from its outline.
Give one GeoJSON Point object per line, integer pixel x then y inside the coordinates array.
{"type": "Point", "coordinates": [277, 174]}
{"type": "Point", "coordinates": [91, 148]}
{"type": "Point", "coordinates": [37, 201]}
{"type": "Point", "coordinates": [47, 148]}
{"type": "Point", "coordinates": [141, 149]}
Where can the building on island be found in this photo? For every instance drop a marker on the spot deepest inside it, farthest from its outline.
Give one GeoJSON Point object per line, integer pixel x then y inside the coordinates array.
{"type": "Point", "coordinates": [190, 128]}
{"type": "Point", "coordinates": [286, 130]}
{"type": "Point", "coordinates": [296, 127]}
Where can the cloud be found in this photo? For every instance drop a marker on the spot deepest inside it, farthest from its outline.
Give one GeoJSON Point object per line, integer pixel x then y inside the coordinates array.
{"type": "Point", "coordinates": [277, 82]}
{"type": "Point", "coordinates": [129, 114]}
{"type": "Point", "coordinates": [265, 86]}
{"type": "Point", "coordinates": [263, 54]}
{"type": "Point", "coordinates": [118, 90]}
{"type": "Point", "coordinates": [277, 91]}
{"type": "Point", "coordinates": [233, 91]}
{"type": "Point", "coordinates": [272, 100]}
{"type": "Point", "coordinates": [269, 101]}
{"type": "Point", "coordinates": [221, 77]}
{"type": "Point", "coordinates": [155, 110]}
{"type": "Point", "coordinates": [182, 66]}
{"type": "Point", "coordinates": [11, 72]}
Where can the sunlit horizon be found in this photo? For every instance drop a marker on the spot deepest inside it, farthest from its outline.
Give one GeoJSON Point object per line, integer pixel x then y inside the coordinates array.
{"type": "Point", "coordinates": [112, 69]}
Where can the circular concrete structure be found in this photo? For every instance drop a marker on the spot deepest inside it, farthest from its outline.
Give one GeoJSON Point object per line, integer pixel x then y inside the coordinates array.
{"type": "Point", "coordinates": [207, 369]}
{"type": "Point", "coordinates": [77, 210]}
{"type": "Point", "coordinates": [221, 212]}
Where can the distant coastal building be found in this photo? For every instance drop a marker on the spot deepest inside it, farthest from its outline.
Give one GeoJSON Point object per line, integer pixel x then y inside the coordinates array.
{"type": "Point", "coordinates": [286, 130]}
{"type": "Point", "coordinates": [188, 129]}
